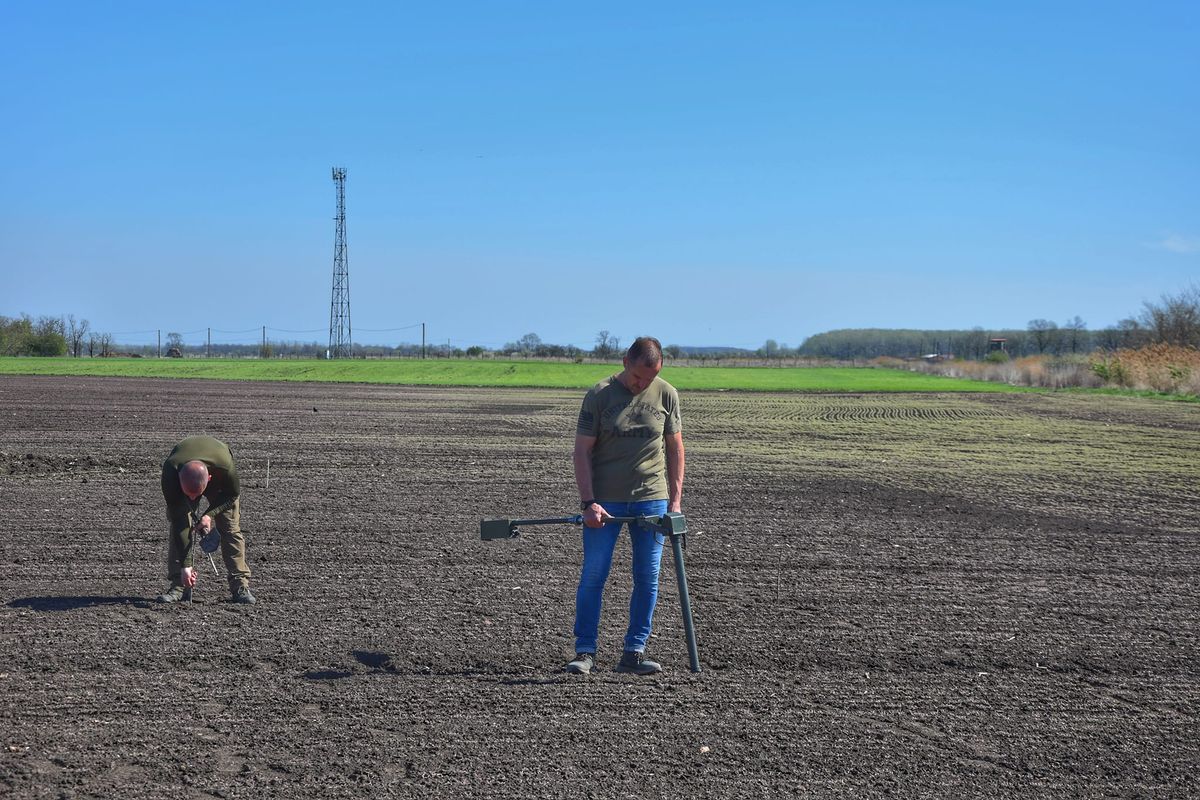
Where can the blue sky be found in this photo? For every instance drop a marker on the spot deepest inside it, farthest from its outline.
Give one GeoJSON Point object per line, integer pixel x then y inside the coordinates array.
{"type": "Point", "coordinates": [710, 173]}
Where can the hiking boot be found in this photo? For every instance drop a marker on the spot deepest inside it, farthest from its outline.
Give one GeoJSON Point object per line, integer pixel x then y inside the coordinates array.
{"type": "Point", "coordinates": [242, 596]}
{"type": "Point", "coordinates": [174, 595]}
{"type": "Point", "coordinates": [583, 664]}
{"type": "Point", "coordinates": [635, 663]}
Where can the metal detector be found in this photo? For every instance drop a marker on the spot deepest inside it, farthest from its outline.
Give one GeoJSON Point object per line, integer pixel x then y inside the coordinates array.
{"type": "Point", "coordinates": [210, 541]}
{"type": "Point", "coordinates": [673, 525]}
{"type": "Point", "coordinates": [208, 544]}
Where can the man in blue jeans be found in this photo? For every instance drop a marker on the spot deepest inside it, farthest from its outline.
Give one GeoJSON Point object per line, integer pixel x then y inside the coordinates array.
{"type": "Point", "coordinates": [628, 463]}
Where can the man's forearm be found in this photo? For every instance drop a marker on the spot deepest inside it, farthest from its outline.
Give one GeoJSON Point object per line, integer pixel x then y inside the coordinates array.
{"type": "Point", "coordinates": [583, 476]}
{"type": "Point", "coordinates": [227, 504]}
{"type": "Point", "coordinates": [187, 552]}
{"type": "Point", "coordinates": [675, 470]}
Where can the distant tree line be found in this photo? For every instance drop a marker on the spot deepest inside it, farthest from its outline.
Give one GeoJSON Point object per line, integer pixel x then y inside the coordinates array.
{"type": "Point", "coordinates": [1173, 320]}
{"type": "Point", "coordinates": [52, 336]}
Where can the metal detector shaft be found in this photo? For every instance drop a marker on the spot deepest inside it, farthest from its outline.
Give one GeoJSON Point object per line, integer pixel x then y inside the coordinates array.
{"type": "Point", "coordinates": [685, 602]}
{"type": "Point", "coordinates": [198, 541]}
{"type": "Point", "coordinates": [575, 520]}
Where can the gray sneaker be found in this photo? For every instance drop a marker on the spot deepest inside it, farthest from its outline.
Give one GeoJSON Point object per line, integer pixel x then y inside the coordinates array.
{"type": "Point", "coordinates": [174, 595]}
{"type": "Point", "coordinates": [583, 664]}
{"type": "Point", "coordinates": [635, 663]}
{"type": "Point", "coordinates": [242, 596]}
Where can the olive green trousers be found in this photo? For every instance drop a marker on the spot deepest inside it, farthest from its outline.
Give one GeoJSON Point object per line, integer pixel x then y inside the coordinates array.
{"type": "Point", "coordinates": [233, 548]}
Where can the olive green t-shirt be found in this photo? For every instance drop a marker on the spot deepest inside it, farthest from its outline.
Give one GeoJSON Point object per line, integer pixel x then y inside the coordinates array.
{"type": "Point", "coordinates": [628, 460]}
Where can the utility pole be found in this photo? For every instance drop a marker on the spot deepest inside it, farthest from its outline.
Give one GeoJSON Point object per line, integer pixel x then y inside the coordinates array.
{"type": "Point", "coordinates": [160, 342]}
{"type": "Point", "coordinates": [208, 347]}
{"type": "Point", "coordinates": [264, 347]}
{"type": "Point", "coordinates": [340, 340]}
{"type": "Point", "coordinates": [422, 340]}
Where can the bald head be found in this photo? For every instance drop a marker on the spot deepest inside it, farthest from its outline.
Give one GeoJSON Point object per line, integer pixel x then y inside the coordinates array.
{"type": "Point", "coordinates": [193, 478]}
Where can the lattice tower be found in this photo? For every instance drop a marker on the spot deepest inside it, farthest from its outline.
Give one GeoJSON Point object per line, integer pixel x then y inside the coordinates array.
{"type": "Point", "coordinates": [340, 341]}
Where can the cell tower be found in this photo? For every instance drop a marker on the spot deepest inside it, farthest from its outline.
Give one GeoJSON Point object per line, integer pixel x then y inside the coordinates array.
{"type": "Point", "coordinates": [340, 341]}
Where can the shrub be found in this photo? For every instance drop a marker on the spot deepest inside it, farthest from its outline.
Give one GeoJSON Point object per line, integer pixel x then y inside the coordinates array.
{"type": "Point", "coordinates": [1158, 367]}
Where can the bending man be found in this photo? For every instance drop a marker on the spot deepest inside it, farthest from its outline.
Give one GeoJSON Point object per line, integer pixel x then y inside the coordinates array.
{"type": "Point", "coordinates": [201, 466]}
{"type": "Point", "coordinates": [628, 463]}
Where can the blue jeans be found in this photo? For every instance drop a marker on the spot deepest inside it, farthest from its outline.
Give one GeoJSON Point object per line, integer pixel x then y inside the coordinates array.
{"type": "Point", "coordinates": [598, 545]}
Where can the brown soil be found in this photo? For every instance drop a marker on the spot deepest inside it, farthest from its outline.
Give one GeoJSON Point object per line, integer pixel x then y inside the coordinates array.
{"type": "Point", "coordinates": [857, 639]}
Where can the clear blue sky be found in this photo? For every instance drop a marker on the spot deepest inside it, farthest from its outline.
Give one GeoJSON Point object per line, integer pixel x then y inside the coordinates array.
{"type": "Point", "coordinates": [710, 173]}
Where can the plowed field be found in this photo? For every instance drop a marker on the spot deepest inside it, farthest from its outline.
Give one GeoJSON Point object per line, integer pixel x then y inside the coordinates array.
{"type": "Point", "coordinates": [896, 595]}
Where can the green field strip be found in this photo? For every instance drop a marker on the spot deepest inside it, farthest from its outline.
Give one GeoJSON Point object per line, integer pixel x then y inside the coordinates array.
{"type": "Point", "coordinates": [514, 374]}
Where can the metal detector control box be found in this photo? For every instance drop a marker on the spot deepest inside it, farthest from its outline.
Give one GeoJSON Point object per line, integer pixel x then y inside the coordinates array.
{"type": "Point", "coordinates": [672, 522]}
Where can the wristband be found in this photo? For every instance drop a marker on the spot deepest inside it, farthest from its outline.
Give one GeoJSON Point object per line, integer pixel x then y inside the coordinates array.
{"type": "Point", "coordinates": [586, 504]}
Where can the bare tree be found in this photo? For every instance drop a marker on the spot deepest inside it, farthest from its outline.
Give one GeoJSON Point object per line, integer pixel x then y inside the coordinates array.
{"type": "Point", "coordinates": [77, 331]}
{"type": "Point", "coordinates": [1132, 333]}
{"type": "Point", "coordinates": [976, 344]}
{"type": "Point", "coordinates": [1175, 319]}
{"type": "Point", "coordinates": [105, 343]}
{"type": "Point", "coordinates": [1075, 328]}
{"type": "Point", "coordinates": [604, 345]}
{"type": "Point", "coordinates": [529, 343]}
{"type": "Point", "coordinates": [1045, 334]}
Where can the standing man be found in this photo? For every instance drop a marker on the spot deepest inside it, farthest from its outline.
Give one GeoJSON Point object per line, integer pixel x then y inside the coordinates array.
{"type": "Point", "coordinates": [628, 463]}
{"type": "Point", "coordinates": [201, 466]}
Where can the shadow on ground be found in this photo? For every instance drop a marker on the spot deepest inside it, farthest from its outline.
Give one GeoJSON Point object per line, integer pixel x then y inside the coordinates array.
{"type": "Point", "coordinates": [71, 603]}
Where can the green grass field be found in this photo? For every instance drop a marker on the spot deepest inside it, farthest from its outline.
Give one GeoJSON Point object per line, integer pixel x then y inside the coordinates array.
{"type": "Point", "coordinates": [500, 373]}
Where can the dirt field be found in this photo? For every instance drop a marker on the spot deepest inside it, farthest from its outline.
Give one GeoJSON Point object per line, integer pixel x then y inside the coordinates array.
{"type": "Point", "coordinates": [912, 596]}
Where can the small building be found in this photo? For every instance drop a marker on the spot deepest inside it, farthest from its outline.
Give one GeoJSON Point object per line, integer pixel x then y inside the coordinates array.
{"type": "Point", "coordinates": [999, 343]}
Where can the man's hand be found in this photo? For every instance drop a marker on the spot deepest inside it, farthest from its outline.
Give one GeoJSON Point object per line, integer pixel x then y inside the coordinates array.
{"type": "Point", "coordinates": [595, 515]}
{"type": "Point", "coordinates": [205, 524]}
{"type": "Point", "coordinates": [675, 506]}
{"type": "Point", "coordinates": [187, 576]}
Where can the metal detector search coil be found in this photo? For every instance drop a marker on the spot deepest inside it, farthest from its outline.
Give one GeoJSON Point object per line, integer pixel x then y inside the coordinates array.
{"type": "Point", "coordinates": [671, 525]}
{"type": "Point", "coordinates": [211, 541]}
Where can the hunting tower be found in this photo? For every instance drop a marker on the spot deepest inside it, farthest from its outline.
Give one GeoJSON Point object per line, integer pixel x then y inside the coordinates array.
{"type": "Point", "coordinates": [340, 341]}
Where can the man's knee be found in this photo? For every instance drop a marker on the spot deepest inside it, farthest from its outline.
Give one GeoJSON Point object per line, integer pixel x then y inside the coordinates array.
{"type": "Point", "coordinates": [646, 577]}
{"type": "Point", "coordinates": [592, 577]}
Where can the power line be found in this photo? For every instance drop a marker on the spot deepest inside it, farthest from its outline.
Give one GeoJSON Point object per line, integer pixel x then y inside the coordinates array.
{"type": "Point", "coordinates": [389, 330]}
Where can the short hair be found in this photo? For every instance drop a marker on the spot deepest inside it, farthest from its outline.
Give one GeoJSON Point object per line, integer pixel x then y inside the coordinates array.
{"type": "Point", "coordinates": [645, 350]}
